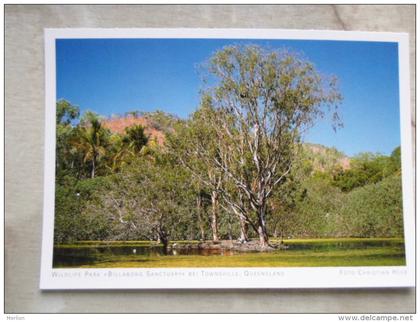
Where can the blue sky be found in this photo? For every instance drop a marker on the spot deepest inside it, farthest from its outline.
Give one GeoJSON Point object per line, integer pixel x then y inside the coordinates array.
{"type": "Point", "coordinates": [113, 76]}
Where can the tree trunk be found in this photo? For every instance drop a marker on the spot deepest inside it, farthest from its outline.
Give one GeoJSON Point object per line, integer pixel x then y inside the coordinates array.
{"type": "Point", "coordinates": [262, 226]}
{"type": "Point", "coordinates": [163, 237]}
{"type": "Point", "coordinates": [243, 224]}
{"type": "Point", "coordinates": [275, 234]}
{"type": "Point", "coordinates": [92, 175]}
{"type": "Point", "coordinates": [229, 228]}
{"type": "Point", "coordinates": [214, 215]}
{"type": "Point", "coordinates": [244, 230]}
{"type": "Point", "coordinates": [200, 217]}
{"type": "Point", "coordinates": [262, 232]}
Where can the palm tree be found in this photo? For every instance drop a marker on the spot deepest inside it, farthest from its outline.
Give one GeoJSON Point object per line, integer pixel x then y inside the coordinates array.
{"type": "Point", "coordinates": [135, 138]}
{"type": "Point", "coordinates": [129, 146]}
{"type": "Point", "coordinates": [92, 140]}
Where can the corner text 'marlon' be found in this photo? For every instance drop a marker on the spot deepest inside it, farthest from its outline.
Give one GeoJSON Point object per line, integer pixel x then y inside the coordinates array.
{"type": "Point", "coordinates": [15, 318]}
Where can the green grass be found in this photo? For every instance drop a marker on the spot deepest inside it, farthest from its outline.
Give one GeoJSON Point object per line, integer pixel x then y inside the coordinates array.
{"type": "Point", "coordinates": [339, 240]}
{"type": "Point", "coordinates": [389, 255]}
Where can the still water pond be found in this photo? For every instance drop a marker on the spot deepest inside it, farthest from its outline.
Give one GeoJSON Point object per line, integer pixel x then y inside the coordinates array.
{"type": "Point", "coordinates": [73, 257]}
{"type": "Point", "coordinates": [88, 255]}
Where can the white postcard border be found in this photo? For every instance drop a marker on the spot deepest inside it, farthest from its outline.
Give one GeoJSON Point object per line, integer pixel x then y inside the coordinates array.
{"type": "Point", "coordinates": [208, 278]}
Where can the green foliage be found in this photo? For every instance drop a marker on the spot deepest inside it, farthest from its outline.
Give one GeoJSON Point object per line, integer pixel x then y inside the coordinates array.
{"type": "Point", "coordinates": [126, 148]}
{"type": "Point", "coordinates": [66, 112]}
{"type": "Point", "coordinates": [313, 205]}
{"type": "Point", "coordinates": [135, 138]}
{"type": "Point", "coordinates": [162, 121]}
{"type": "Point", "coordinates": [375, 209]}
{"type": "Point", "coordinates": [394, 165]}
{"type": "Point", "coordinates": [367, 168]}
{"type": "Point", "coordinates": [142, 192]}
{"type": "Point", "coordinates": [92, 140]}
{"type": "Point", "coordinates": [317, 209]}
{"type": "Point", "coordinates": [149, 199]}
{"type": "Point", "coordinates": [71, 222]}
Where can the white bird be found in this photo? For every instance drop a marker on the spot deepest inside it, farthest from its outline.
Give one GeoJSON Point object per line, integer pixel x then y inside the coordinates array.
{"type": "Point", "coordinates": [134, 251]}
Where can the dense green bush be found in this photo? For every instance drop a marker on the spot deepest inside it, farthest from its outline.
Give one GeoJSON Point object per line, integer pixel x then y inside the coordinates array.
{"type": "Point", "coordinates": [375, 210]}
{"type": "Point", "coordinates": [317, 211]}
{"type": "Point", "coordinates": [71, 222]}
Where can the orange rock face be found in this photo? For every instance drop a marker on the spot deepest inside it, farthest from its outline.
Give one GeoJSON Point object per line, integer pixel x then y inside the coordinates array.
{"type": "Point", "coordinates": [118, 125]}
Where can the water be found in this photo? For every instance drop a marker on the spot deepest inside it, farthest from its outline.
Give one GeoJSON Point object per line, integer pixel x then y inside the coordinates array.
{"type": "Point", "coordinates": [77, 256]}
{"type": "Point", "coordinates": [88, 255]}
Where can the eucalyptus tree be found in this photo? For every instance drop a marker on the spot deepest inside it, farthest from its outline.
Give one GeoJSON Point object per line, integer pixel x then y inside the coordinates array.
{"type": "Point", "coordinates": [262, 101]}
{"type": "Point", "coordinates": [186, 142]}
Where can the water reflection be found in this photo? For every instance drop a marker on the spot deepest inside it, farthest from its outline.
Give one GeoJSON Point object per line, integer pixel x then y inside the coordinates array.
{"type": "Point", "coordinates": [77, 256]}
{"type": "Point", "coordinates": [71, 257]}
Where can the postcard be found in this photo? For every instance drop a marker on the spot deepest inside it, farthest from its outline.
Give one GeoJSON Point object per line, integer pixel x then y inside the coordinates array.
{"type": "Point", "coordinates": [227, 158]}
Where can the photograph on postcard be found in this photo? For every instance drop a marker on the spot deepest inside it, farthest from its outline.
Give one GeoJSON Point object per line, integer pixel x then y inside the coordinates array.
{"type": "Point", "coordinates": [196, 152]}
